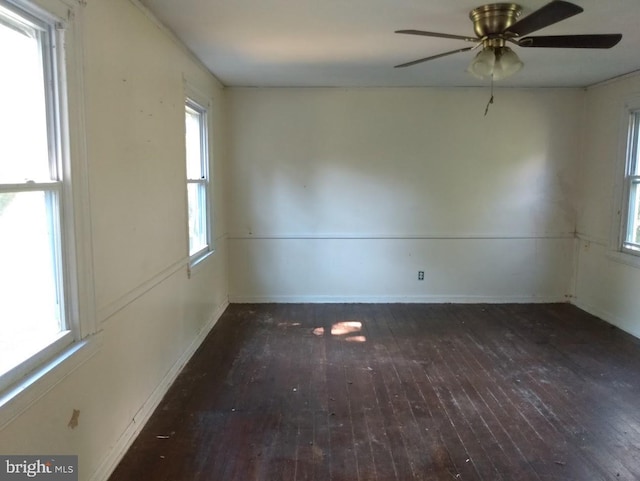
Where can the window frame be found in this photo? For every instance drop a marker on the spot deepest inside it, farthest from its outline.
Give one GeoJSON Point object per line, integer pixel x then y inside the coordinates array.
{"type": "Point", "coordinates": [201, 105]}
{"type": "Point", "coordinates": [631, 175]}
{"type": "Point", "coordinates": [62, 54]}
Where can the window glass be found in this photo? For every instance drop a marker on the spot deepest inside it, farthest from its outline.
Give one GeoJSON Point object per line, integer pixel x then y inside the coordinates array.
{"type": "Point", "coordinates": [23, 117]}
{"type": "Point", "coordinates": [194, 143]}
{"type": "Point", "coordinates": [197, 218]}
{"type": "Point", "coordinates": [32, 307]}
{"type": "Point", "coordinates": [631, 241]}
{"type": "Point", "coordinates": [30, 311]}
{"type": "Point", "coordinates": [197, 179]}
{"type": "Point", "coordinates": [633, 232]}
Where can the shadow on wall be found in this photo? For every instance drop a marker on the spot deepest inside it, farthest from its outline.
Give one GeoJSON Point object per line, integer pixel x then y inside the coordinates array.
{"type": "Point", "coordinates": [322, 163]}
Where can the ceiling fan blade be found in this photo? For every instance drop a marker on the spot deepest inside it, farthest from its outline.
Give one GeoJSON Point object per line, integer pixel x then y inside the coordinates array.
{"type": "Point", "coordinates": [408, 64]}
{"type": "Point", "coordinates": [440, 35]}
{"type": "Point", "coordinates": [551, 13]}
{"type": "Point", "coordinates": [572, 41]}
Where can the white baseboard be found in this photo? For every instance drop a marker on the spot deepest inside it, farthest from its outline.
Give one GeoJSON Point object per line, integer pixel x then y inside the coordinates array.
{"type": "Point", "coordinates": [397, 299]}
{"type": "Point", "coordinates": [118, 451]}
{"type": "Point", "coordinates": [607, 317]}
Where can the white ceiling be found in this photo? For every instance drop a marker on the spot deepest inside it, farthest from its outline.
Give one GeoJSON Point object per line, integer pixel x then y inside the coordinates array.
{"type": "Point", "coordinates": [350, 43]}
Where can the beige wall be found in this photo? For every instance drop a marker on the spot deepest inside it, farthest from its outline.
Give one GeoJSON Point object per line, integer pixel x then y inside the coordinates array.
{"type": "Point", "coordinates": [607, 282]}
{"type": "Point", "coordinates": [345, 194]}
{"type": "Point", "coordinates": [149, 313]}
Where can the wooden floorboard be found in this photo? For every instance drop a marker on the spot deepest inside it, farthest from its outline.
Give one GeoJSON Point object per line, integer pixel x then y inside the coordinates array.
{"type": "Point", "coordinates": [384, 392]}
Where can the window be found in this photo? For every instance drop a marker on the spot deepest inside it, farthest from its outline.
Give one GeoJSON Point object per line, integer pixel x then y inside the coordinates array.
{"type": "Point", "coordinates": [631, 225]}
{"type": "Point", "coordinates": [197, 154]}
{"type": "Point", "coordinates": [38, 289]}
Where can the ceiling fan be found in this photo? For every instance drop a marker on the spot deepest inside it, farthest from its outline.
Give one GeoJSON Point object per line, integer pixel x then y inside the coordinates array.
{"type": "Point", "coordinates": [497, 24]}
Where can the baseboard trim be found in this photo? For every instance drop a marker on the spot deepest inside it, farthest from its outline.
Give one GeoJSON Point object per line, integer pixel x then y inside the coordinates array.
{"type": "Point", "coordinates": [606, 316]}
{"type": "Point", "coordinates": [398, 299]}
{"type": "Point", "coordinates": [403, 237]}
{"type": "Point", "coordinates": [129, 435]}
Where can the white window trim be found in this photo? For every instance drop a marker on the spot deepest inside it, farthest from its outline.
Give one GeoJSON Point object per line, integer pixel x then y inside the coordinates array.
{"type": "Point", "coordinates": [617, 251]}
{"type": "Point", "coordinates": [199, 101]}
{"type": "Point", "coordinates": [630, 150]}
{"type": "Point", "coordinates": [75, 225]}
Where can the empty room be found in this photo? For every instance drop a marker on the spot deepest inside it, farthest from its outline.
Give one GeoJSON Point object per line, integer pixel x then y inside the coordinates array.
{"type": "Point", "coordinates": [368, 240]}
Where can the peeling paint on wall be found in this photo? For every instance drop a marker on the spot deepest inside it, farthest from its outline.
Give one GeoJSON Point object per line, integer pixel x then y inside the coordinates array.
{"type": "Point", "coordinates": [73, 422]}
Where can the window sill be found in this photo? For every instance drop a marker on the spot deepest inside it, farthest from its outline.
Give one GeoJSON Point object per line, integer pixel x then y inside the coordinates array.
{"type": "Point", "coordinates": [194, 264]}
{"type": "Point", "coordinates": [25, 392]}
{"type": "Point", "coordinates": [624, 258]}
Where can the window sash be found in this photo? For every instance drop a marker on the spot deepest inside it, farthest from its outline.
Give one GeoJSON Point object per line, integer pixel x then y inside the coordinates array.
{"type": "Point", "coordinates": [44, 29]}
{"type": "Point", "coordinates": [200, 112]}
{"type": "Point", "coordinates": [198, 219]}
{"type": "Point", "coordinates": [631, 225]}
{"type": "Point", "coordinates": [53, 192]}
{"type": "Point", "coordinates": [63, 340]}
{"type": "Point", "coordinates": [45, 36]}
{"type": "Point", "coordinates": [633, 139]}
{"type": "Point", "coordinates": [31, 187]}
{"type": "Point", "coordinates": [199, 211]}
{"type": "Point", "coordinates": [631, 241]}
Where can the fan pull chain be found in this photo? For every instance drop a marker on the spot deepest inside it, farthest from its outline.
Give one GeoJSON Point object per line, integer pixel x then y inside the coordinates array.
{"type": "Point", "coordinates": [491, 99]}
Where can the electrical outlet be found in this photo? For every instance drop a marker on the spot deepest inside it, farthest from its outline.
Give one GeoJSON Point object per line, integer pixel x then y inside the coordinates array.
{"type": "Point", "coordinates": [421, 275]}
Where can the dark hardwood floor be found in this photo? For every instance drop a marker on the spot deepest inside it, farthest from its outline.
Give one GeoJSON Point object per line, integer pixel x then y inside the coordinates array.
{"type": "Point", "coordinates": [399, 392]}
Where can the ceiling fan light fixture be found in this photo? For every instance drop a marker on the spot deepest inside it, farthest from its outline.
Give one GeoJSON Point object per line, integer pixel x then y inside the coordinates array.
{"type": "Point", "coordinates": [496, 24]}
{"type": "Point", "coordinates": [496, 62]}
{"type": "Point", "coordinates": [507, 63]}
{"type": "Point", "coordinates": [483, 64]}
